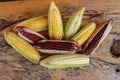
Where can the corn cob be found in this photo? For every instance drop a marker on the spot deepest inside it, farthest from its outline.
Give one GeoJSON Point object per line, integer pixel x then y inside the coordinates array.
{"type": "Point", "coordinates": [29, 35]}
{"type": "Point", "coordinates": [55, 25]}
{"type": "Point", "coordinates": [36, 24]}
{"type": "Point", "coordinates": [84, 34]}
{"type": "Point", "coordinates": [65, 61]}
{"type": "Point", "coordinates": [21, 46]}
{"type": "Point", "coordinates": [57, 46]}
{"type": "Point", "coordinates": [74, 24]}
{"type": "Point", "coordinates": [97, 37]}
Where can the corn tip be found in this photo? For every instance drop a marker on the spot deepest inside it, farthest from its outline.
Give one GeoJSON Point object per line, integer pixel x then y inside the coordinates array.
{"type": "Point", "coordinates": [92, 24]}
{"type": "Point", "coordinates": [82, 10]}
{"type": "Point", "coordinates": [52, 4]}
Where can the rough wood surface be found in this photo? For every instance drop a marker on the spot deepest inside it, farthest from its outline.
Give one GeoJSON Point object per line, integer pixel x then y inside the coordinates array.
{"type": "Point", "coordinates": [103, 65]}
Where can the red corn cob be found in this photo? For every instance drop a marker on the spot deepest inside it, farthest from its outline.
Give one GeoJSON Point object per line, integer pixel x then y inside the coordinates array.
{"type": "Point", "coordinates": [57, 46]}
{"type": "Point", "coordinates": [29, 35]}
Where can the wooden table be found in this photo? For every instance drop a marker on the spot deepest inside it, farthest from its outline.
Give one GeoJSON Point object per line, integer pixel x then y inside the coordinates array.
{"type": "Point", "coordinates": [103, 65]}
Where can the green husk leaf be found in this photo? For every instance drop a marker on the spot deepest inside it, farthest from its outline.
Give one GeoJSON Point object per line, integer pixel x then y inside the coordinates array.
{"type": "Point", "coordinates": [65, 61]}
{"type": "Point", "coordinates": [74, 23]}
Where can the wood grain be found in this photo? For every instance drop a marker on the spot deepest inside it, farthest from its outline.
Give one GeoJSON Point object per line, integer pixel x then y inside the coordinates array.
{"type": "Point", "coordinates": [103, 65]}
{"type": "Point", "coordinates": [26, 9]}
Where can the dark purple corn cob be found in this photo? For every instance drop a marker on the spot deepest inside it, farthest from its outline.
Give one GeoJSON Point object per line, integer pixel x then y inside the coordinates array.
{"type": "Point", "coordinates": [29, 35]}
{"type": "Point", "coordinates": [57, 46]}
{"type": "Point", "coordinates": [97, 37]}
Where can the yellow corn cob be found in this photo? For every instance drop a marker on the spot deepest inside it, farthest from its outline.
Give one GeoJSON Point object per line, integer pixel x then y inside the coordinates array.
{"type": "Point", "coordinates": [55, 23]}
{"type": "Point", "coordinates": [37, 24]}
{"type": "Point", "coordinates": [23, 47]}
{"type": "Point", "coordinates": [84, 34]}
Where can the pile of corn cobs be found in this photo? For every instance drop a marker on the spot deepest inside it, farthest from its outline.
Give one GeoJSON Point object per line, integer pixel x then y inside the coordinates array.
{"type": "Point", "coordinates": [69, 46]}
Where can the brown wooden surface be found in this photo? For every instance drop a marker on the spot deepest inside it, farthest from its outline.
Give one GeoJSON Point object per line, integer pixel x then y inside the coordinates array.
{"type": "Point", "coordinates": [103, 65]}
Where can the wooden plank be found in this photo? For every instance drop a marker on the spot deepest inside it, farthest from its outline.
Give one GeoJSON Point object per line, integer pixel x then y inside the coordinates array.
{"type": "Point", "coordinates": [30, 8]}
{"type": "Point", "coordinates": [12, 12]}
{"type": "Point", "coordinates": [103, 65]}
